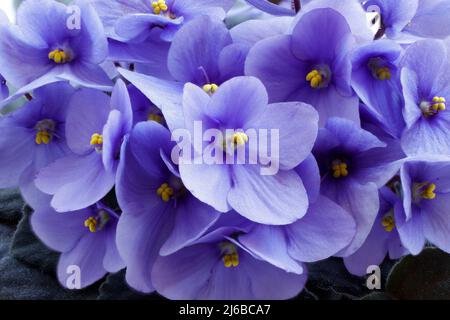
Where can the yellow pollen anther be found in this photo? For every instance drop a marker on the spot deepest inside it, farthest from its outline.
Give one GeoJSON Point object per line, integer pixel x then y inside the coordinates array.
{"type": "Point", "coordinates": [91, 223]}
{"type": "Point", "coordinates": [428, 192]}
{"type": "Point", "coordinates": [165, 192]}
{"type": "Point", "coordinates": [43, 136]}
{"type": "Point", "coordinates": [159, 6]}
{"type": "Point", "coordinates": [96, 139]}
{"type": "Point", "coordinates": [210, 88]}
{"type": "Point", "coordinates": [231, 260]}
{"type": "Point", "coordinates": [388, 222]}
{"type": "Point", "coordinates": [315, 78]}
{"type": "Point", "coordinates": [383, 73]}
{"type": "Point", "coordinates": [340, 169]}
{"type": "Point", "coordinates": [439, 104]}
{"type": "Point", "coordinates": [239, 138]}
{"type": "Point", "coordinates": [59, 56]}
{"type": "Point", "coordinates": [155, 117]}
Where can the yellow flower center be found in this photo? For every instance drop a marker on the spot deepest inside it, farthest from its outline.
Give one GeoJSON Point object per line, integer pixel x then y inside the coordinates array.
{"type": "Point", "coordinates": [340, 169]}
{"type": "Point", "coordinates": [165, 192]}
{"type": "Point", "coordinates": [438, 104]}
{"type": "Point", "coordinates": [230, 256]}
{"type": "Point", "coordinates": [210, 88]}
{"type": "Point", "coordinates": [59, 56]}
{"type": "Point", "coordinates": [239, 138]}
{"type": "Point", "coordinates": [96, 139]}
{"type": "Point", "coordinates": [43, 136]}
{"type": "Point", "coordinates": [428, 192]}
{"type": "Point", "coordinates": [159, 6]}
{"type": "Point", "coordinates": [315, 79]}
{"type": "Point", "coordinates": [388, 222]}
{"type": "Point", "coordinates": [383, 73]}
{"type": "Point", "coordinates": [155, 117]}
{"type": "Point", "coordinates": [91, 223]}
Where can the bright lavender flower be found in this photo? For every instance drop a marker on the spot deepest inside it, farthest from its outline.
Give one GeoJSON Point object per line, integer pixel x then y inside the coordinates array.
{"type": "Point", "coordinates": [426, 88]}
{"type": "Point", "coordinates": [325, 229]}
{"type": "Point", "coordinates": [33, 137]}
{"type": "Point", "coordinates": [95, 127]}
{"type": "Point", "coordinates": [159, 214]}
{"type": "Point", "coordinates": [382, 239]}
{"type": "Point", "coordinates": [424, 214]}
{"type": "Point", "coordinates": [85, 238]}
{"type": "Point", "coordinates": [376, 80]}
{"type": "Point", "coordinates": [353, 165]}
{"type": "Point", "coordinates": [304, 67]}
{"type": "Point", "coordinates": [216, 267]}
{"type": "Point", "coordinates": [47, 46]}
{"type": "Point", "coordinates": [408, 20]}
{"type": "Point", "coordinates": [241, 104]}
{"type": "Point", "coordinates": [203, 53]}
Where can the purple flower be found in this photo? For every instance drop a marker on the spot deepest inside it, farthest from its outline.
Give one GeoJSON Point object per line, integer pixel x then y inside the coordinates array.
{"type": "Point", "coordinates": [203, 53]}
{"type": "Point", "coordinates": [86, 240]}
{"type": "Point", "coordinates": [94, 135]}
{"type": "Point", "coordinates": [424, 214]}
{"type": "Point", "coordinates": [353, 165]}
{"type": "Point", "coordinates": [376, 80]}
{"type": "Point", "coordinates": [217, 267]}
{"type": "Point", "coordinates": [48, 45]}
{"type": "Point", "coordinates": [426, 88]}
{"type": "Point", "coordinates": [159, 215]}
{"type": "Point", "coordinates": [241, 105]}
{"type": "Point", "coordinates": [309, 69]}
{"type": "Point", "coordinates": [382, 239]}
{"type": "Point", "coordinates": [325, 229]}
{"type": "Point", "coordinates": [33, 137]}
{"type": "Point", "coordinates": [407, 20]}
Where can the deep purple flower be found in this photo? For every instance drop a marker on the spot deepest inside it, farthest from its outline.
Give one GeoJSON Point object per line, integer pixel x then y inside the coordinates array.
{"type": "Point", "coordinates": [33, 137]}
{"type": "Point", "coordinates": [426, 88]}
{"type": "Point", "coordinates": [217, 267]}
{"type": "Point", "coordinates": [94, 135]}
{"type": "Point", "coordinates": [159, 215]}
{"type": "Point", "coordinates": [353, 165]}
{"type": "Point", "coordinates": [376, 80]}
{"type": "Point", "coordinates": [86, 240]}
{"type": "Point", "coordinates": [424, 214]}
{"type": "Point", "coordinates": [382, 239]}
{"type": "Point", "coordinates": [47, 45]}
{"type": "Point", "coordinates": [408, 20]}
{"type": "Point", "coordinates": [304, 67]}
{"type": "Point", "coordinates": [203, 53]}
{"type": "Point", "coordinates": [240, 105]}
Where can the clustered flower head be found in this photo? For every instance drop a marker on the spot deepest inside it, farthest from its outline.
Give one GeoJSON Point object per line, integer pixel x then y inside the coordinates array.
{"type": "Point", "coordinates": [214, 156]}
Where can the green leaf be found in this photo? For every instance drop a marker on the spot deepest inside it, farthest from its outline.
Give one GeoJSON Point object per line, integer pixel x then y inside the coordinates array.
{"type": "Point", "coordinates": [426, 276]}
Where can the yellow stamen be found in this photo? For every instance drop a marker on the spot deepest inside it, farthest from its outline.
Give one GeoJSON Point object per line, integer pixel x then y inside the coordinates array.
{"type": "Point", "coordinates": [439, 104]}
{"type": "Point", "coordinates": [43, 136]}
{"type": "Point", "coordinates": [96, 139]}
{"type": "Point", "coordinates": [59, 56]}
{"type": "Point", "coordinates": [428, 192]}
{"type": "Point", "coordinates": [210, 88]}
{"type": "Point", "coordinates": [383, 73]}
{"type": "Point", "coordinates": [388, 222]}
{"type": "Point", "coordinates": [155, 117]}
{"type": "Point", "coordinates": [165, 192]}
{"type": "Point", "coordinates": [239, 138]}
{"type": "Point", "coordinates": [91, 223]}
{"type": "Point", "coordinates": [230, 256]}
{"type": "Point", "coordinates": [340, 169]}
{"type": "Point", "coordinates": [315, 78]}
{"type": "Point", "coordinates": [159, 6]}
